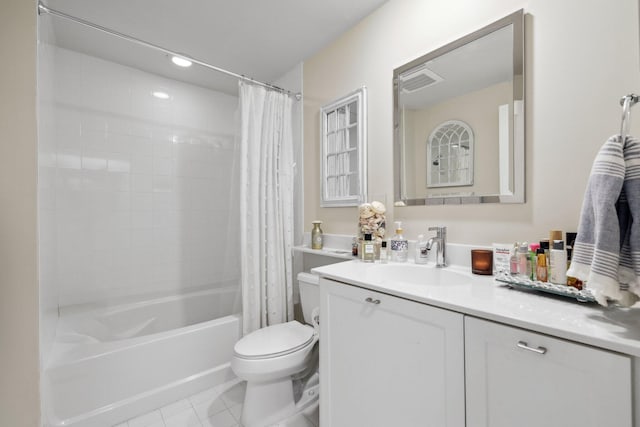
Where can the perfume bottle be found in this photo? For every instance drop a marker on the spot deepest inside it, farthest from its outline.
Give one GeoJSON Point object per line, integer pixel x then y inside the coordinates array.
{"type": "Point", "coordinates": [384, 254]}
{"type": "Point", "coordinates": [368, 249]}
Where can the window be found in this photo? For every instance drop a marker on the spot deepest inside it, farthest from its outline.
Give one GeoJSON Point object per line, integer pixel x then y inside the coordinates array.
{"type": "Point", "coordinates": [344, 169]}
{"type": "Point", "coordinates": [450, 155]}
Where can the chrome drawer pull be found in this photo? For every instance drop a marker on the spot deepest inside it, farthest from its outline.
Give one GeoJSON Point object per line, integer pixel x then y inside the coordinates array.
{"type": "Point", "coordinates": [372, 301]}
{"type": "Point", "coordinates": [523, 345]}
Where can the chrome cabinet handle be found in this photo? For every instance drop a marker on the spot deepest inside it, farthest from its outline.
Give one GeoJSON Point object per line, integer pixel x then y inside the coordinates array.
{"type": "Point", "coordinates": [540, 350]}
{"type": "Point", "coordinates": [372, 301]}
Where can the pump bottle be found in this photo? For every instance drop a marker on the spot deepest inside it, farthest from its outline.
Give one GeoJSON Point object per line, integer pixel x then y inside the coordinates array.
{"type": "Point", "coordinates": [399, 245]}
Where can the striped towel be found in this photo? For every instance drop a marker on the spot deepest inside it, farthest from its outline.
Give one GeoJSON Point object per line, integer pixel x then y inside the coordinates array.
{"type": "Point", "coordinates": [606, 253]}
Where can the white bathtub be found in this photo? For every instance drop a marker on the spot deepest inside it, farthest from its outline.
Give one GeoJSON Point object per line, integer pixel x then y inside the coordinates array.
{"type": "Point", "coordinates": [114, 363]}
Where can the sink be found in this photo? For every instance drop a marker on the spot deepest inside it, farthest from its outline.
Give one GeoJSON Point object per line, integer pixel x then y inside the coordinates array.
{"type": "Point", "coordinates": [416, 274]}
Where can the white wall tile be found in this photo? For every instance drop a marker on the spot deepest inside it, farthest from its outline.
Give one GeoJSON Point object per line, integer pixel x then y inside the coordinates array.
{"type": "Point", "coordinates": [136, 183]}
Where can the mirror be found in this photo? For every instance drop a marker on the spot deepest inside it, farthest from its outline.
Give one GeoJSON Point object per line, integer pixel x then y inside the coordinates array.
{"type": "Point", "coordinates": [459, 120]}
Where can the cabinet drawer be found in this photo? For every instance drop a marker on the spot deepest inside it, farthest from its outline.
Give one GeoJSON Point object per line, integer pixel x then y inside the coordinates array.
{"type": "Point", "coordinates": [520, 378]}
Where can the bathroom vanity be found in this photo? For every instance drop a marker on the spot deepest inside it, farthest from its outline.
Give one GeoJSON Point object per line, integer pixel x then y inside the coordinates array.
{"type": "Point", "coordinates": [411, 345]}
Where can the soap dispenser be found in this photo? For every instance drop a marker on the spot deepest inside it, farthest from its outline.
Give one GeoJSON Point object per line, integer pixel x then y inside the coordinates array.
{"type": "Point", "coordinates": [399, 245]}
{"type": "Point", "coordinates": [422, 253]}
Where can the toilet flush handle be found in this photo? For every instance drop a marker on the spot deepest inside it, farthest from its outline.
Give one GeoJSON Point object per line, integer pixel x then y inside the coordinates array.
{"type": "Point", "coordinates": [372, 301]}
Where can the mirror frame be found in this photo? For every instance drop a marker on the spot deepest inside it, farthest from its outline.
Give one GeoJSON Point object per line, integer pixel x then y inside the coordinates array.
{"type": "Point", "coordinates": [518, 195]}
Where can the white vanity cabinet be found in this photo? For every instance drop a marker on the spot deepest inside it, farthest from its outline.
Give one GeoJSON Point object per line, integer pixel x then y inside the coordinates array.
{"type": "Point", "coordinates": [387, 361]}
{"type": "Point", "coordinates": [520, 378]}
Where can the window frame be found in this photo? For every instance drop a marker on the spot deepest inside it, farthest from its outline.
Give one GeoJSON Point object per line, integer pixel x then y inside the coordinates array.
{"type": "Point", "coordinates": [336, 153]}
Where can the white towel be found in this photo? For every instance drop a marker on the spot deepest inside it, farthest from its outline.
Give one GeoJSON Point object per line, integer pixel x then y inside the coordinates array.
{"type": "Point", "coordinates": [606, 253]}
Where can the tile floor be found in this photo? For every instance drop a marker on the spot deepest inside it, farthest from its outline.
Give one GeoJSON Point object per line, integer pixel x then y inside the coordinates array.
{"type": "Point", "coordinates": [216, 407]}
{"type": "Point", "coordinates": [219, 406]}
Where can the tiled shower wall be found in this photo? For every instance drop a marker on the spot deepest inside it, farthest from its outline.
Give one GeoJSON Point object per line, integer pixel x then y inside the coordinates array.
{"type": "Point", "coordinates": [136, 193]}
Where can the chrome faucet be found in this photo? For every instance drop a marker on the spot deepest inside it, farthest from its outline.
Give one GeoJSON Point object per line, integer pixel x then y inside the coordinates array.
{"type": "Point", "coordinates": [441, 240]}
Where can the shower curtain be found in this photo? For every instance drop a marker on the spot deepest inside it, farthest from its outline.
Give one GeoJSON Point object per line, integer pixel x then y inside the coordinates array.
{"type": "Point", "coordinates": [266, 206]}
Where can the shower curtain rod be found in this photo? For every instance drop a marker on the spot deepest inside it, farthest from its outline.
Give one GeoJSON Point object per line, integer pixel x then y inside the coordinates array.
{"type": "Point", "coordinates": [46, 9]}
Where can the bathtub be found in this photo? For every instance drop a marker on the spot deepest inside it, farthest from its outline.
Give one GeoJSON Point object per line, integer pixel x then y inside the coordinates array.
{"type": "Point", "coordinates": [111, 364]}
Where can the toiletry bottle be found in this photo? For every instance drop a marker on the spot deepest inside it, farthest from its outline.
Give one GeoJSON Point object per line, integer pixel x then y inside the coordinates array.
{"type": "Point", "coordinates": [533, 259]}
{"type": "Point", "coordinates": [541, 266]}
{"type": "Point", "coordinates": [368, 250]}
{"type": "Point", "coordinates": [384, 254]}
{"type": "Point", "coordinates": [554, 235]}
{"type": "Point", "coordinates": [513, 259]}
{"type": "Point", "coordinates": [558, 257]}
{"type": "Point", "coordinates": [316, 235]}
{"type": "Point", "coordinates": [571, 240]}
{"type": "Point", "coordinates": [544, 245]}
{"type": "Point", "coordinates": [399, 245]}
{"type": "Point", "coordinates": [354, 246]}
{"type": "Point", "coordinates": [421, 252]}
{"type": "Point", "coordinates": [524, 266]}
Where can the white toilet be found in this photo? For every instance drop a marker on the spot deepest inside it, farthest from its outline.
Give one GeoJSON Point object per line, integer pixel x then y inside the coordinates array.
{"type": "Point", "coordinates": [270, 357]}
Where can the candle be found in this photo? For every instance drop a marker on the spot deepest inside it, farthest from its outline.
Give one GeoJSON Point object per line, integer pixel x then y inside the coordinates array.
{"type": "Point", "coordinates": [482, 261]}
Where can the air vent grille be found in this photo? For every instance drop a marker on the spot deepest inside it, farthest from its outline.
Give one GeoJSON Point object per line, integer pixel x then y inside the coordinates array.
{"type": "Point", "coordinates": [419, 79]}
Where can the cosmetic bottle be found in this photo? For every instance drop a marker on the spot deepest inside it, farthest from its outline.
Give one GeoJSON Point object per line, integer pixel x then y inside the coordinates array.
{"type": "Point", "coordinates": [571, 240]}
{"type": "Point", "coordinates": [524, 266]}
{"type": "Point", "coordinates": [558, 270]}
{"type": "Point", "coordinates": [316, 235]}
{"type": "Point", "coordinates": [354, 246]}
{"type": "Point", "coordinates": [399, 245]}
{"type": "Point", "coordinates": [368, 250]}
{"type": "Point", "coordinates": [541, 266]}
{"type": "Point", "coordinates": [513, 259]}
{"type": "Point", "coordinates": [384, 254]}
{"type": "Point", "coordinates": [533, 259]}
{"type": "Point", "coordinates": [544, 245]}
{"type": "Point", "coordinates": [421, 253]}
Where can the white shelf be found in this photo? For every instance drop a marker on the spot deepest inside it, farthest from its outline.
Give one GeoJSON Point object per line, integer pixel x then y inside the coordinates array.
{"type": "Point", "coordinates": [327, 252]}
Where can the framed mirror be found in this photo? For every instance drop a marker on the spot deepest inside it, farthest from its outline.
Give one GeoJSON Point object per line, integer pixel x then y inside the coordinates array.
{"type": "Point", "coordinates": [459, 120]}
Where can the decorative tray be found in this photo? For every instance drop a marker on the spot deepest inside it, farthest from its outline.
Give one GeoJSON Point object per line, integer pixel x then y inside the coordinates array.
{"type": "Point", "coordinates": [566, 291]}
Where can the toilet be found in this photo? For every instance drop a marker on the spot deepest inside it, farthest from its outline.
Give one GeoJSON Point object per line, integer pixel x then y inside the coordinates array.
{"type": "Point", "coordinates": [270, 358]}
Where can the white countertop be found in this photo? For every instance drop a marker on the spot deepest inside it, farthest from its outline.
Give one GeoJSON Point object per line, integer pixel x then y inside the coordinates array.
{"type": "Point", "coordinates": [613, 328]}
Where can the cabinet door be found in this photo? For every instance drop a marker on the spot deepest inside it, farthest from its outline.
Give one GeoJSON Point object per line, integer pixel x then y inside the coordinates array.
{"type": "Point", "coordinates": [520, 378]}
{"type": "Point", "coordinates": [386, 361]}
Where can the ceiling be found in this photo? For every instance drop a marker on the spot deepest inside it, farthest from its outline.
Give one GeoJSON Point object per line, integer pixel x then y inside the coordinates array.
{"type": "Point", "coordinates": [261, 39]}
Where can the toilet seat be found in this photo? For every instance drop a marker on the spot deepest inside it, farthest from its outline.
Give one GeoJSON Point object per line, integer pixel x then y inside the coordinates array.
{"type": "Point", "coordinates": [274, 341]}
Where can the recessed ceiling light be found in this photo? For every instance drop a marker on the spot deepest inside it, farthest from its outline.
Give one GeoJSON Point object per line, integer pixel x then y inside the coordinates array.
{"type": "Point", "coordinates": [181, 62]}
{"type": "Point", "coordinates": [160, 95]}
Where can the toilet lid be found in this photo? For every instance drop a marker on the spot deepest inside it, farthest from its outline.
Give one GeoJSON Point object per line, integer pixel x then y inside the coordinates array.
{"type": "Point", "coordinates": [276, 340]}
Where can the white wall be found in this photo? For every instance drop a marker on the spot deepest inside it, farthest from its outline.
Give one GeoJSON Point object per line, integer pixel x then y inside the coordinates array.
{"type": "Point", "coordinates": [581, 57]}
{"type": "Point", "coordinates": [137, 189]}
{"type": "Point", "coordinates": [19, 371]}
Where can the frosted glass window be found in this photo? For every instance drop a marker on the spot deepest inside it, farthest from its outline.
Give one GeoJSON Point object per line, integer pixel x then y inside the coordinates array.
{"type": "Point", "coordinates": [343, 130]}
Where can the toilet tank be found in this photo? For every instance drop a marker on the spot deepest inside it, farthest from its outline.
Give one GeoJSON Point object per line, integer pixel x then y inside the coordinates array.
{"type": "Point", "coordinates": [309, 294]}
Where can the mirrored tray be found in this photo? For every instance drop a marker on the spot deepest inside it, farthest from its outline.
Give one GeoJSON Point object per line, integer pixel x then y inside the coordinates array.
{"type": "Point", "coordinates": [550, 288]}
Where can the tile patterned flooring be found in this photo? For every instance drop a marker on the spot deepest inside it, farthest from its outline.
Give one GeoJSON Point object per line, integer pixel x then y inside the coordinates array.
{"type": "Point", "coordinates": [219, 406]}
{"type": "Point", "coordinates": [216, 407]}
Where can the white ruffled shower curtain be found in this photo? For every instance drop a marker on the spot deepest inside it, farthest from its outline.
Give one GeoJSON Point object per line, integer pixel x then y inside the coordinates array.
{"type": "Point", "coordinates": [266, 206]}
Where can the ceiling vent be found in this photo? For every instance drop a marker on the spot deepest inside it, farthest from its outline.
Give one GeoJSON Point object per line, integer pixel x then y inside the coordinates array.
{"type": "Point", "coordinates": [419, 78]}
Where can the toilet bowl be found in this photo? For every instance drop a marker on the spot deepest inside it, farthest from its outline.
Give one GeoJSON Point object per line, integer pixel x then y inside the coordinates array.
{"type": "Point", "coordinates": [269, 358]}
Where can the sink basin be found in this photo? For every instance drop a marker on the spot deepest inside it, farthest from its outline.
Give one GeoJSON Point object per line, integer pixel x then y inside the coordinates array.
{"type": "Point", "coordinates": [416, 274]}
